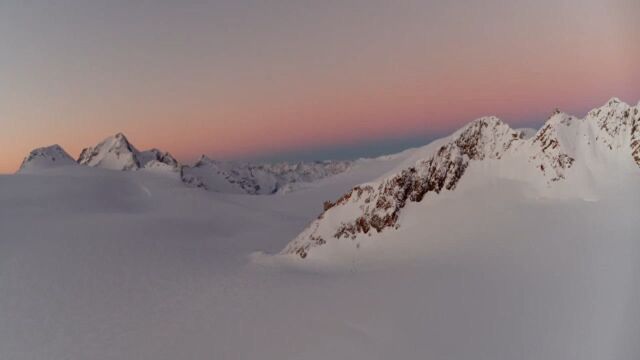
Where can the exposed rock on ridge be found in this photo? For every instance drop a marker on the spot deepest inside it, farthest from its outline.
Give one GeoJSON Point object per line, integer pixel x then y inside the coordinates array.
{"type": "Point", "coordinates": [550, 155]}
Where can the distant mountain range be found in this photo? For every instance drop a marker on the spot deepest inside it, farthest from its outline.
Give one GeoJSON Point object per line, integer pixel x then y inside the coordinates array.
{"type": "Point", "coordinates": [565, 150]}
{"type": "Point", "coordinates": [117, 153]}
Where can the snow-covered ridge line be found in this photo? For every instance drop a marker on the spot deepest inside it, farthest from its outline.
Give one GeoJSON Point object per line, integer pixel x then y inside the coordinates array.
{"type": "Point", "coordinates": [566, 148]}
{"type": "Point", "coordinates": [265, 178]}
{"type": "Point", "coordinates": [118, 153]}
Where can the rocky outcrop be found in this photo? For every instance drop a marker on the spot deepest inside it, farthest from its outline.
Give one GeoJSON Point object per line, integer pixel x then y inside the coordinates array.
{"type": "Point", "coordinates": [380, 205]}
{"type": "Point", "coordinates": [155, 159]}
{"type": "Point", "coordinates": [547, 158]}
{"type": "Point", "coordinates": [257, 179]}
{"type": "Point", "coordinates": [635, 135]}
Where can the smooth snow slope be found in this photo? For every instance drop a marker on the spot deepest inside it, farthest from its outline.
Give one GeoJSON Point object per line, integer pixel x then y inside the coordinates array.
{"type": "Point", "coordinates": [568, 158]}
{"type": "Point", "coordinates": [99, 264]}
{"type": "Point", "coordinates": [96, 264]}
{"type": "Point", "coordinates": [45, 158]}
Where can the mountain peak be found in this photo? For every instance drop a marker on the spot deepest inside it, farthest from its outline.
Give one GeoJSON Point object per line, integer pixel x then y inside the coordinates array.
{"type": "Point", "coordinates": [46, 157]}
{"type": "Point", "coordinates": [484, 121]}
{"type": "Point", "coordinates": [117, 153]}
{"type": "Point", "coordinates": [120, 138]}
{"type": "Point", "coordinates": [203, 160]}
{"type": "Point", "coordinates": [613, 101]}
{"type": "Point", "coordinates": [564, 153]}
{"type": "Point", "coordinates": [114, 152]}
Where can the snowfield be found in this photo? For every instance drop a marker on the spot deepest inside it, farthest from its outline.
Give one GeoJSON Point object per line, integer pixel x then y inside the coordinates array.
{"type": "Point", "coordinates": [506, 264]}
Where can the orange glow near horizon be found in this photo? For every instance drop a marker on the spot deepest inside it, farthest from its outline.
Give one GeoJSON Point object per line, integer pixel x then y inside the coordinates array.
{"type": "Point", "coordinates": [278, 83]}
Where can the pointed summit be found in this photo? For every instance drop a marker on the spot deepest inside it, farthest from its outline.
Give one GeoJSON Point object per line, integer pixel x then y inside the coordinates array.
{"type": "Point", "coordinates": [203, 160]}
{"type": "Point", "coordinates": [613, 101]}
{"type": "Point", "coordinates": [117, 153]}
{"type": "Point", "coordinates": [114, 152]}
{"type": "Point", "coordinates": [567, 155]}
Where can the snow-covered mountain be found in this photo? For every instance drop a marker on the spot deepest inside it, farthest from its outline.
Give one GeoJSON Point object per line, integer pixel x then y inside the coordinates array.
{"type": "Point", "coordinates": [117, 153]}
{"type": "Point", "coordinates": [266, 178]}
{"type": "Point", "coordinates": [494, 243]}
{"type": "Point", "coordinates": [46, 157]}
{"type": "Point", "coordinates": [567, 157]}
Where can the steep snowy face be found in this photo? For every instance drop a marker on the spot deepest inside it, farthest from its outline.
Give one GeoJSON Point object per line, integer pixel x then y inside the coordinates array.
{"type": "Point", "coordinates": [117, 153]}
{"type": "Point", "coordinates": [607, 136]}
{"type": "Point", "coordinates": [376, 206]}
{"type": "Point", "coordinates": [566, 150]}
{"type": "Point", "coordinates": [257, 179]}
{"type": "Point", "coordinates": [46, 157]}
{"type": "Point", "coordinates": [550, 151]}
{"type": "Point", "coordinates": [114, 153]}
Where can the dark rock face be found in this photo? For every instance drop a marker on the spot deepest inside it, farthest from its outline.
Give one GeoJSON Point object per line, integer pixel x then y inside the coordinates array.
{"type": "Point", "coordinates": [635, 135]}
{"type": "Point", "coordinates": [162, 157]}
{"type": "Point", "coordinates": [442, 171]}
{"type": "Point", "coordinates": [372, 208]}
{"type": "Point", "coordinates": [381, 206]}
{"type": "Point", "coordinates": [259, 179]}
{"type": "Point", "coordinates": [553, 161]}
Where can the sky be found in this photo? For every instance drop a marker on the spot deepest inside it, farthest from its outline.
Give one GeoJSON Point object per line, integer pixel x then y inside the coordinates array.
{"type": "Point", "coordinates": [296, 79]}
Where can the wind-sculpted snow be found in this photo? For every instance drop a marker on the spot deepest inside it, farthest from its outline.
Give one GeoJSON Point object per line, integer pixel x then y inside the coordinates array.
{"type": "Point", "coordinates": [565, 149]}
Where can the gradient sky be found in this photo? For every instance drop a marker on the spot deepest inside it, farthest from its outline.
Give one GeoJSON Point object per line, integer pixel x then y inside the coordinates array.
{"type": "Point", "coordinates": [294, 79]}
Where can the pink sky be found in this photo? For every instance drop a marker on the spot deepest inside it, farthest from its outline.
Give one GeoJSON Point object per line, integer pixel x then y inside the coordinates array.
{"type": "Point", "coordinates": [243, 79]}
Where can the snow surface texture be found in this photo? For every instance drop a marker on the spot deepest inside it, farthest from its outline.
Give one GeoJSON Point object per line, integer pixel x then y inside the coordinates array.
{"type": "Point", "coordinates": [99, 264]}
{"type": "Point", "coordinates": [567, 157]}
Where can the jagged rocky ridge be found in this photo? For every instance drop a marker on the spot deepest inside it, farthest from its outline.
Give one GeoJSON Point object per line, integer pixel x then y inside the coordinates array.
{"type": "Point", "coordinates": [117, 153]}
{"type": "Point", "coordinates": [609, 133]}
{"type": "Point", "coordinates": [257, 179]}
